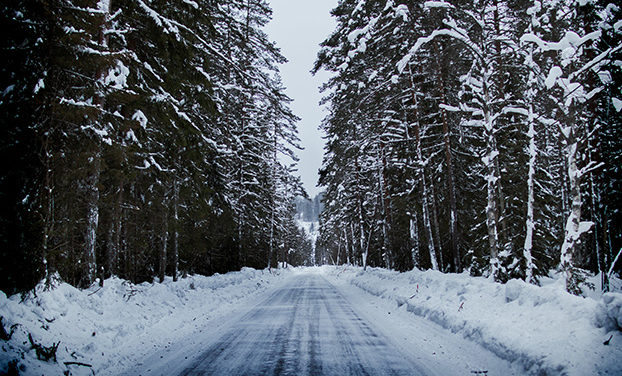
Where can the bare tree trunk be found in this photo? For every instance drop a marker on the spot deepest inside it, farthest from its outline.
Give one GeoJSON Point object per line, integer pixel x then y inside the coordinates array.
{"type": "Point", "coordinates": [345, 234]}
{"type": "Point", "coordinates": [492, 180]}
{"type": "Point", "coordinates": [338, 250]}
{"type": "Point", "coordinates": [92, 220]}
{"type": "Point", "coordinates": [422, 177]}
{"type": "Point", "coordinates": [48, 211]}
{"type": "Point", "coordinates": [414, 238]}
{"type": "Point", "coordinates": [163, 249]}
{"type": "Point", "coordinates": [437, 231]}
{"type": "Point", "coordinates": [360, 212]}
{"type": "Point", "coordinates": [176, 229]}
{"type": "Point", "coordinates": [386, 246]}
{"type": "Point", "coordinates": [574, 226]}
{"type": "Point", "coordinates": [456, 264]}
{"type": "Point", "coordinates": [530, 222]}
{"type": "Point", "coordinates": [114, 234]}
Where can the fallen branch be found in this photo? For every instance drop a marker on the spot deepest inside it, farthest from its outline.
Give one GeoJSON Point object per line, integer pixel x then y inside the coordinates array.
{"type": "Point", "coordinates": [44, 352]}
{"type": "Point", "coordinates": [67, 364]}
{"type": "Point", "coordinates": [78, 364]}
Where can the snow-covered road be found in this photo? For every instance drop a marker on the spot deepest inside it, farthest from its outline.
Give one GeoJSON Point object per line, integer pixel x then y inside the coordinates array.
{"type": "Point", "coordinates": [304, 328]}
{"type": "Point", "coordinates": [309, 326]}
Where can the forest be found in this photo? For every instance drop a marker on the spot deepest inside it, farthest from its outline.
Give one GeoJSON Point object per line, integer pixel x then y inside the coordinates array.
{"type": "Point", "coordinates": [475, 135]}
{"type": "Point", "coordinates": [142, 139]}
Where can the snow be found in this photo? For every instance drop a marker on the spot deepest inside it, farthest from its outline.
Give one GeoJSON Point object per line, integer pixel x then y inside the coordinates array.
{"type": "Point", "coordinates": [130, 136]}
{"type": "Point", "coordinates": [437, 4]}
{"type": "Point", "coordinates": [312, 229]}
{"type": "Point", "coordinates": [120, 324]}
{"type": "Point", "coordinates": [402, 11]}
{"type": "Point", "coordinates": [617, 104]}
{"type": "Point", "coordinates": [610, 313]}
{"type": "Point", "coordinates": [316, 324]}
{"type": "Point", "coordinates": [538, 330]}
{"type": "Point", "coordinates": [192, 4]}
{"type": "Point", "coordinates": [117, 76]}
{"type": "Point", "coordinates": [140, 117]}
{"type": "Point", "coordinates": [552, 77]}
{"type": "Point", "coordinates": [544, 329]}
{"type": "Point", "coordinates": [570, 39]}
{"type": "Point", "coordinates": [40, 85]}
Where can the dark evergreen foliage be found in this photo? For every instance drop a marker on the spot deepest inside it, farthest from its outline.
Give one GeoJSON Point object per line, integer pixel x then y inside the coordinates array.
{"type": "Point", "coordinates": [126, 124]}
{"type": "Point", "coordinates": [450, 145]}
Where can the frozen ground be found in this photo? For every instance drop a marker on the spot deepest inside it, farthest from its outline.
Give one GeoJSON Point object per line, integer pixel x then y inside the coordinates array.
{"type": "Point", "coordinates": [304, 320]}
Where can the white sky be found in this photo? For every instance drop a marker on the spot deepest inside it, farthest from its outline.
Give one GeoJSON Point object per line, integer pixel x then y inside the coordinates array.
{"type": "Point", "coordinates": [298, 27]}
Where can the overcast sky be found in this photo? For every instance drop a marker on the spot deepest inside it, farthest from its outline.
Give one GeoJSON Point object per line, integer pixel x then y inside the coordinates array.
{"type": "Point", "coordinates": [298, 27]}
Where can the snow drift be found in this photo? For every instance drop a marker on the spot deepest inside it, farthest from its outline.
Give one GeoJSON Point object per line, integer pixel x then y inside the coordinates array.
{"type": "Point", "coordinates": [545, 329]}
{"type": "Point", "coordinates": [104, 330]}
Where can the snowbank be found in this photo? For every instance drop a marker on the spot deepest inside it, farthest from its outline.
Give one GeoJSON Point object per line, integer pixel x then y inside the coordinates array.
{"type": "Point", "coordinates": [115, 326]}
{"type": "Point", "coordinates": [545, 329]}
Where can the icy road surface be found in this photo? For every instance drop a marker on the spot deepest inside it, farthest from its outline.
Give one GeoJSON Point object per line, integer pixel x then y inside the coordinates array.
{"type": "Point", "coordinates": [309, 326]}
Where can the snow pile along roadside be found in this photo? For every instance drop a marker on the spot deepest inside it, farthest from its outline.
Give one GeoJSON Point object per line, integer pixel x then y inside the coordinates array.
{"type": "Point", "coordinates": [545, 329]}
{"type": "Point", "coordinates": [104, 330]}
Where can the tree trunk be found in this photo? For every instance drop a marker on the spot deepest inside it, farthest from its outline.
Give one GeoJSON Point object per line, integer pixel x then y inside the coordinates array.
{"type": "Point", "coordinates": [492, 180]}
{"type": "Point", "coordinates": [456, 264]}
{"type": "Point", "coordinates": [574, 226]}
{"type": "Point", "coordinates": [436, 228]}
{"type": "Point", "coordinates": [414, 238]}
{"type": "Point", "coordinates": [386, 246]}
{"type": "Point", "coordinates": [345, 234]}
{"type": "Point", "coordinates": [422, 178]}
{"type": "Point", "coordinates": [48, 211]}
{"type": "Point", "coordinates": [530, 222]}
{"type": "Point", "coordinates": [92, 219]}
{"type": "Point", "coordinates": [114, 234]}
{"type": "Point", "coordinates": [163, 249]}
{"type": "Point", "coordinates": [176, 229]}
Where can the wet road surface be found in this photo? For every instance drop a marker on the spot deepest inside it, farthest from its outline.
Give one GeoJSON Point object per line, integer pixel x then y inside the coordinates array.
{"type": "Point", "coordinates": [304, 328]}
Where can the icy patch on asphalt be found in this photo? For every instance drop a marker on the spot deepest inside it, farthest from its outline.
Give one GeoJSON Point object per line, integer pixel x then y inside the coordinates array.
{"type": "Point", "coordinates": [545, 329]}
{"type": "Point", "coordinates": [120, 324]}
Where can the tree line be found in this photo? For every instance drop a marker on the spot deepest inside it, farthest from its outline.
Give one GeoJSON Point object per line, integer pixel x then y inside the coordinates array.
{"type": "Point", "coordinates": [478, 135]}
{"type": "Point", "coordinates": [143, 138]}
